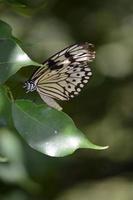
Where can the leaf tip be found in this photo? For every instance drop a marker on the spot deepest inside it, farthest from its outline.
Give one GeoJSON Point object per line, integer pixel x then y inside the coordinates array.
{"type": "Point", "coordinates": [102, 147]}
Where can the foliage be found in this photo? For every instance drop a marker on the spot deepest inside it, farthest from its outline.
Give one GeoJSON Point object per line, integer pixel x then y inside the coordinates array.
{"type": "Point", "coordinates": [103, 111]}
{"type": "Point", "coordinates": [46, 130]}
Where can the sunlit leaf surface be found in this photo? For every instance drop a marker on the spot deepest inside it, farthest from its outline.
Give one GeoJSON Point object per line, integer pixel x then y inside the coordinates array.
{"type": "Point", "coordinates": [47, 130]}
{"type": "Point", "coordinates": [12, 58]}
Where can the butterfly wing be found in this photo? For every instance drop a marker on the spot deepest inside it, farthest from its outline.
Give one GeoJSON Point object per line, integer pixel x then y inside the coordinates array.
{"type": "Point", "coordinates": [65, 74]}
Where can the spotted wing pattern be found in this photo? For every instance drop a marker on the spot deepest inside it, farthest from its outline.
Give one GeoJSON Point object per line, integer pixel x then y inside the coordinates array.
{"type": "Point", "coordinates": [65, 74]}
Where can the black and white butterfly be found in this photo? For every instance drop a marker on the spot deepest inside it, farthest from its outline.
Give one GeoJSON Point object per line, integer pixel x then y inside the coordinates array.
{"type": "Point", "coordinates": [63, 75]}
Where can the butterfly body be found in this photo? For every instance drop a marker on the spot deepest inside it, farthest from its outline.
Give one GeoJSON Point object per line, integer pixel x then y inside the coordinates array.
{"type": "Point", "coordinates": [30, 85]}
{"type": "Point", "coordinates": [63, 75]}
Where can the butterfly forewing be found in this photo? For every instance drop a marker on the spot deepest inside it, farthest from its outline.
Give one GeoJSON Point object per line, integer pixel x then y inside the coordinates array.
{"type": "Point", "coordinates": [65, 74]}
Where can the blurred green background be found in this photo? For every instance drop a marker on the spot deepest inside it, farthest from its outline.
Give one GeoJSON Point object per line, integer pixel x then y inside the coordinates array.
{"type": "Point", "coordinates": [103, 110]}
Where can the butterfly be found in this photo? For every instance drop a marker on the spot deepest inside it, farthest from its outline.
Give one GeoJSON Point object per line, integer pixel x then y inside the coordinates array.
{"type": "Point", "coordinates": [63, 75]}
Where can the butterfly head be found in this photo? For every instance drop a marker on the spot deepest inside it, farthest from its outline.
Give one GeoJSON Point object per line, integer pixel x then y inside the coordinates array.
{"type": "Point", "coordinates": [30, 86]}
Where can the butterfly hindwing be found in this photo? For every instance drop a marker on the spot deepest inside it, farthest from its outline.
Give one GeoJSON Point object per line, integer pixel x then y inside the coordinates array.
{"type": "Point", "coordinates": [64, 87]}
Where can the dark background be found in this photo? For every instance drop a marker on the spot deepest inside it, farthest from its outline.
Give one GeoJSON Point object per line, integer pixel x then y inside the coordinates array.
{"type": "Point", "coordinates": [103, 110]}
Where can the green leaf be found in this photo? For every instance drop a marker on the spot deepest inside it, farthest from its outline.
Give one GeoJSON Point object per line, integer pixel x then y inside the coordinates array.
{"type": "Point", "coordinates": [47, 130]}
{"type": "Point", "coordinates": [12, 58]}
{"type": "Point", "coordinates": [5, 108]}
{"type": "Point", "coordinates": [5, 30]}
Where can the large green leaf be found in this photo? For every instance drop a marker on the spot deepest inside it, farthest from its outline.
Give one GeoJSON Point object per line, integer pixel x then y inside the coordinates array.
{"type": "Point", "coordinates": [5, 30]}
{"type": "Point", "coordinates": [12, 58]}
{"type": "Point", "coordinates": [47, 130]}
